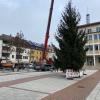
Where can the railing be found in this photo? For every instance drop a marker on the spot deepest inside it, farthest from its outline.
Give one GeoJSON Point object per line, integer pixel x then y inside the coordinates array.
{"type": "Point", "coordinates": [91, 52]}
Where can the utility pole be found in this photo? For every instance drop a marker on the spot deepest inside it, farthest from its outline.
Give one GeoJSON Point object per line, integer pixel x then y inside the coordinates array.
{"type": "Point", "coordinates": [47, 31]}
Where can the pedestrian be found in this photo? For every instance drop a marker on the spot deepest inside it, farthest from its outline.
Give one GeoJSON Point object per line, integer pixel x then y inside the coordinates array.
{"type": "Point", "coordinates": [1, 64]}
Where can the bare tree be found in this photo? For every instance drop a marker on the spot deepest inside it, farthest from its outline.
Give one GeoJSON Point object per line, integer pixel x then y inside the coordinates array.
{"type": "Point", "coordinates": [19, 43]}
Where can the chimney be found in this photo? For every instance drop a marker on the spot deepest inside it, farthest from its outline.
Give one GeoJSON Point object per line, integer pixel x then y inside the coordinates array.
{"type": "Point", "coordinates": [88, 19]}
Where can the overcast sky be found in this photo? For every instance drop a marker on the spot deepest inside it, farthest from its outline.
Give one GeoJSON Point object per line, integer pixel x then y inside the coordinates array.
{"type": "Point", "coordinates": [31, 16]}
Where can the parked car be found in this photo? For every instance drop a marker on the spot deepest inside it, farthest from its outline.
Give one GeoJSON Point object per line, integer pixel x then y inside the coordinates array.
{"type": "Point", "coordinates": [37, 67]}
{"type": "Point", "coordinates": [19, 66]}
{"type": "Point", "coordinates": [7, 66]}
{"type": "Point", "coordinates": [47, 67]}
{"type": "Point", "coordinates": [31, 66]}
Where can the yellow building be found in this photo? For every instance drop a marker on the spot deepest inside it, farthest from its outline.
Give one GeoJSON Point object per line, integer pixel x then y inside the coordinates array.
{"type": "Point", "coordinates": [36, 52]}
{"type": "Point", "coordinates": [36, 55]}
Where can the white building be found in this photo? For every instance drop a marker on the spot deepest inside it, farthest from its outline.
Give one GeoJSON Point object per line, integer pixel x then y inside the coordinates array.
{"type": "Point", "coordinates": [93, 35]}
{"type": "Point", "coordinates": [51, 52]}
{"type": "Point", "coordinates": [9, 53]}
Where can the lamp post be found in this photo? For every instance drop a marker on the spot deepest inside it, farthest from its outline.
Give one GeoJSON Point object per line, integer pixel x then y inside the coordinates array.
{"type": "Point", "coordinates": [47, 31]}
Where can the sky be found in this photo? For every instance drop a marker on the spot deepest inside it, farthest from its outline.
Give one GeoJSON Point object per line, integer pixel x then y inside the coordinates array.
{"type": "Point", "coordinates": [31, 16]}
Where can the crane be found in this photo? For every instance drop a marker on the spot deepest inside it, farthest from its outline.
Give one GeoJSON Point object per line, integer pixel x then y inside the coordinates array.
{"type": "Point", "coordinates": [47, 30]}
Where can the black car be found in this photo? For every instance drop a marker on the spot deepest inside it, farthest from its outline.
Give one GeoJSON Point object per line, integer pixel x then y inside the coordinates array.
{"type": "Point", "coordinates": [46, 67]}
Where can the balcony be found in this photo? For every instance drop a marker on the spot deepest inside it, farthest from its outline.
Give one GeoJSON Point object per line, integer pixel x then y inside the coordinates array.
{"type": "Point", "coordinates": [18, 56]}
{"type": "Point", "coordinates": [5, 56]}
{"type": "Point", "coordinates": [6, 49]}
{"type": "Point", "coordinates": [96, 52]}
{"type": "Point", "coordinates": [89, 53]}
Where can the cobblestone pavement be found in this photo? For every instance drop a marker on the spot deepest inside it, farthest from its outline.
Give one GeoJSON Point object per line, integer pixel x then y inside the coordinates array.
{"type": "Point", "coordinates": [77, 91]}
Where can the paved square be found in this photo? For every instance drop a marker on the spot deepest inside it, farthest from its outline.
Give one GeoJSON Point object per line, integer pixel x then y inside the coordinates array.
{"type": "Point", "coordinates": [17, 94]}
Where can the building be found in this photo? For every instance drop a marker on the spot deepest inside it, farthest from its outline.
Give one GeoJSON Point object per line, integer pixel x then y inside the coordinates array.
{"type": "Point", "coordinates": [31, 51]}
{"type": "Point", "coordinates": [50, 52]}
{"type": "Point", "coordinates": [9, 53]}
{"type": "Point", "coordinates": [36, 55]}
{"type": "Point", "coordinates": [93, 36]}
{"type": "Point", "coordinates": [35, 52]}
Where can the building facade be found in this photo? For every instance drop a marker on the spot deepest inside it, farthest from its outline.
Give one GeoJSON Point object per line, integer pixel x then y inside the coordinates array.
{"type": "Point", "coordinates": [93, 44]}
{"type": "Point", "coordinates": [51, 52]}
{"type": "Point", "coordinates": [30, 53]}
{"type": "Point", "coordinates": [36, 55]}
{"type": "Point", "coordinates": [9, 53]}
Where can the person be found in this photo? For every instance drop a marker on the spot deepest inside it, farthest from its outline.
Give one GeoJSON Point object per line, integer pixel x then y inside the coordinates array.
{"type": "Point", "coordinates": [13, 66]}
{"type": "Point", "coordinates": [1, 64]}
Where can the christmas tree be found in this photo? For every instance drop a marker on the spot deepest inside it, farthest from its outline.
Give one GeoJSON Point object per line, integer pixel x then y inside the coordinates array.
{"type": "Point", "coordinates": [71, 53]}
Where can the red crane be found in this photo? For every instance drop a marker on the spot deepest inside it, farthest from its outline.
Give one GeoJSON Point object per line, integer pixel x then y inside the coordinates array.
{"type": "Point", "coordinates": [47, 31]}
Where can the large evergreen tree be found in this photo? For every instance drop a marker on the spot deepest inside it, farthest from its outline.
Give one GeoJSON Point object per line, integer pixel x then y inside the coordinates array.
{"type": "Point", "coordinates": [71, 53]}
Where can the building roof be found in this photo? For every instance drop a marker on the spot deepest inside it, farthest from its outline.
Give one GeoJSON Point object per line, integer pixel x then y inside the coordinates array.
{"type": "Point", "coordinates": [5, 37]}
{"type": "Point", "coordinates": [90, 24]}
{"type": "Point", "coordinates": [29, 44]}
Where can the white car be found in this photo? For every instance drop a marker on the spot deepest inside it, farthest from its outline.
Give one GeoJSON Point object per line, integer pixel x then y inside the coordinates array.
{"type": "Point", "coordinates": [31, 66]}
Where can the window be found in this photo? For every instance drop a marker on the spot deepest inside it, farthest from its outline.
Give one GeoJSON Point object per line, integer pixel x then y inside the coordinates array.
{"type": "Point", "coordinates": [99, 59]}
{"type": "Point", "coordinates": [98, 29]}
{"type": "Point", "coordinates": [90, 47]}
{"type": "Point", "coordinates": [37, 57]}
{"type": "Point", "coordinates": [96, 47]}
{"type": "Point", "coordinates": [90, 61]}
{"type": "Point", "coordinates": [40, 53]}
{"type": "Point", "coordinates": [32, 52]}
{"type": "Point", "coordinates": [89, 31]}
{"type": "Point", "coordinates": [82, 30]}
{"type": "Point", "coordinates": [6, 48]}
{"type": "Point", "coordinates": [18, 56]}
{"type": "Point", "coordinates": [25, 57]}
{"type": "Point", "coordinates": [99, 36]}
{"type": "Point", "coordinates": [86, 47]}
{"type": "Point", "coordinates": [25, 51]}
{"type": "Point", "coordinates": [95, 37]}
{"type": "Point", "coordinates": [99, 47]}
{"type": "Point", "coordinates": [89, 37]}
{"type": "Point", "coordinates": [12, 56]}
{"type": "Point", "coordinates": [5, 54]}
